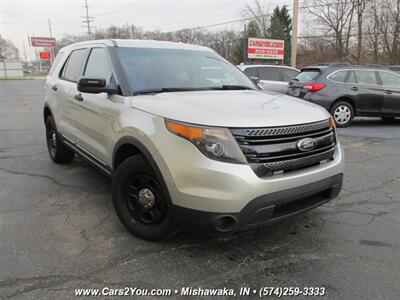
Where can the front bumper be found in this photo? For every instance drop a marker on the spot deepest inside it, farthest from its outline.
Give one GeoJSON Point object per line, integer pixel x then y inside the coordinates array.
{"type": "Point", "coordinates": [196, 182]}
{"type": "Point", "coordinates": [261, 210]}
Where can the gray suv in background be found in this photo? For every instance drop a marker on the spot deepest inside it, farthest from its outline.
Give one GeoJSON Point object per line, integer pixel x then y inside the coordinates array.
{"type": "Point", "coordinates": [187, 138]}
{"type": "Point", "coordinates": [350, 90]}
{"type": "Point", "coordinates": [273, 78]}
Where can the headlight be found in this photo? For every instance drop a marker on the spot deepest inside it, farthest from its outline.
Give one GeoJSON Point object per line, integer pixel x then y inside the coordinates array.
{"type": "Point", "coordinates": [215, 143]}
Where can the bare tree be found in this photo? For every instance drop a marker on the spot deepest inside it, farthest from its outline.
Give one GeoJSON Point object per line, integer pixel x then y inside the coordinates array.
{"type": "Point", "coordinates": [335, 18]}
{"type": "Point", "coordinates": [8, 49]}
{"type": "Point", "coordinates": [360, 7]}
{"type": "Point", "coordinates": [384, 32]}
{"type": "Point", "coordinates": [259, 15]}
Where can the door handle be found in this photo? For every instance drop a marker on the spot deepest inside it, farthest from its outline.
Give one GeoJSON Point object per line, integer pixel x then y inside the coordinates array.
{"type": "Point", "coordinates": [78, 97]}
{"type": "Point", "coordinates": [388, 92]}
{"type": "Point", "coordinates": [54, 87]}
{"type": "Point", "coordinates": [354, 88]}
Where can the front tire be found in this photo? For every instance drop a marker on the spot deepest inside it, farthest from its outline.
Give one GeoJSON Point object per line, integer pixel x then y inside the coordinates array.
{"type": "Point", "coordinates": [139, 200]}
{"type": "Point", "coordinates": [59, 153]}
{"type": "Point", "coordinates": [343, 113]}
{"type": "Point", "coordinates": [389, 119]}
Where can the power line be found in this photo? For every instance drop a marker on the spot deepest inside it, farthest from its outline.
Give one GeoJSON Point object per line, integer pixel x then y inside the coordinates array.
{"type": "Point", "coordinates": [351, 34]}
{"type": "Point", "coordinates": [263, 15]}
{"type": "Point", "coordinates": [191, 17]}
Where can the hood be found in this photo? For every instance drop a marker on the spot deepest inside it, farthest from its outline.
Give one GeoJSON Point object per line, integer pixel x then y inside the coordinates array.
{"type": "Point", "coordinates": [231, 108]}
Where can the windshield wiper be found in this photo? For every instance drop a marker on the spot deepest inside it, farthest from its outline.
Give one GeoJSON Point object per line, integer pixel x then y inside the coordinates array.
{"type": "Point", "coordinates": [231, 87]}
{"type": "Point", "coordinates": [170, 90]}
{"type": "Point", "coordinates": [163, 90]}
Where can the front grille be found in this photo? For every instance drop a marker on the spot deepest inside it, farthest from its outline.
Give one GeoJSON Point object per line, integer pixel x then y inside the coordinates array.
{"type": "Point", "coordinates": [283, 130]}
{"type": "Point", "coordinates": [274, 150]}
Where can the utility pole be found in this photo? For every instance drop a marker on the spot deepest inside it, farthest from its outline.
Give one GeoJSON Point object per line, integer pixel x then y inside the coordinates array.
{"type": "Point", "coordinates": [245, 42]}
{"type": "Point", "coordinates": [51, 33]}
{"type": "Point", "coordinates": [294, 33]}
{"type": "Point", "coordinates": [88, 19]}
{"type": "Point", "coordinates": [38, 58]}
{"type": "Point", "coordinates": [29, 48]}
{"type": "Point", "coordinates": [26, 58]}
{"type": "Point", "coordinates": [51, 49]}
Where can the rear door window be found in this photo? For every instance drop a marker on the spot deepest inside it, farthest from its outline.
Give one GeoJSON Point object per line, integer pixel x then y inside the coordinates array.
{"type": "Point", "coordinates": [269, 73]}
{"type": "Point", "coordinates": [389, 79]}
{"type": "Point", "coordinates": [367, 77]}
{"type": "Point", "coordinates": [97, 65]}
{"type": "Point", "coordinates": [308, 75]}
{"type": "Point", "coordinates": [351, 78]}
{"type": "Point", "coordinates": [251, 72]}
{"type": "Point", "coordinates": [288, 74]}
{"type": "Point", "coordinates": [339, 76]}
{"type": "Point", "coordinates": [74, 66]}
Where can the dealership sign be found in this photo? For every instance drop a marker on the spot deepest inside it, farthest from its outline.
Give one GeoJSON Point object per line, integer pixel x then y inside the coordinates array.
{"type": "Point", "coordinates": [265, 49]}
{"type": "Point", "coordinates": [44, 55]}
{"type": "Point", "coordinates": [43, 42]}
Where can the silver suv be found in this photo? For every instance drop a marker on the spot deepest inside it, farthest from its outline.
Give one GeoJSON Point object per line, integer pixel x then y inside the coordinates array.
{"type": "Point", "coordinates": [189, 141]}
{"type": "Point", "coordinates": [273, 78]}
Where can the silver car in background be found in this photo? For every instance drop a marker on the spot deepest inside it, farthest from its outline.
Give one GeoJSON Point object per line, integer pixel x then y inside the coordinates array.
{"type": "Point", "coordinates": [395, 68]}
{"type": "Point", "coordinates": [273, 78]}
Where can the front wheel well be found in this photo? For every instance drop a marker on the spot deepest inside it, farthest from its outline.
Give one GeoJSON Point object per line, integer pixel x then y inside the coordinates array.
{"type": "Point", "coordinates": [46, 113]}
{"type": "Point", "coordinates": [125, 151]}
{"type": "Point", "coordinates": [345, 99]}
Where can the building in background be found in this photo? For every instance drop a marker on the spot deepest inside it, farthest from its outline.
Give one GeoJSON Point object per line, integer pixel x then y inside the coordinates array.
{"type": "Point", "coordinates": [10, 69]}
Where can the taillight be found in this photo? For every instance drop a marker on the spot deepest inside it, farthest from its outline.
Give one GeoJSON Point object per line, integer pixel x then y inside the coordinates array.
{"type": "Point", "coordinates": [313, 87]}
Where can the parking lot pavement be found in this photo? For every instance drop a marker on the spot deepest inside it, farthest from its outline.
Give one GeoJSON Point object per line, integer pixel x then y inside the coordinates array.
{"type": "Point", "coordinates": [58, 230]}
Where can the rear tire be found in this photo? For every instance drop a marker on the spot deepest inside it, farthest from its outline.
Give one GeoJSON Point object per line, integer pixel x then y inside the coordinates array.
{"type": "Point", "coordinates": [343, 113]}
{"type": "Point", "coordinates": [139, 200]}
{"type": "Point", "coordinates": [59, 153]}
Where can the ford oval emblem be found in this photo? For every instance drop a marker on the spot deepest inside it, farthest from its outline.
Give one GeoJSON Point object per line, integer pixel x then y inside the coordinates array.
{"type": "Point", "coordinates": [306, 144]}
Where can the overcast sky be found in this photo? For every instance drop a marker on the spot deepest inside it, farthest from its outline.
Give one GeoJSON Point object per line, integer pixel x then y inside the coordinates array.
{"type": "Point", "coordinates": [18, 18]}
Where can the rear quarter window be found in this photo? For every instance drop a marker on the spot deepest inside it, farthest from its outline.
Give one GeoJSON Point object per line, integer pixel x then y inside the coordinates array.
{"type": "Point", "coordinates": [338, 76]}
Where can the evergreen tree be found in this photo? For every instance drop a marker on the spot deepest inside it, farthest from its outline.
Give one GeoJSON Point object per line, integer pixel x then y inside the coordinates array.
{"type": "Point", "coordinates": [252, 30]}
{"type": "Point", "coordinates": [281, 29]}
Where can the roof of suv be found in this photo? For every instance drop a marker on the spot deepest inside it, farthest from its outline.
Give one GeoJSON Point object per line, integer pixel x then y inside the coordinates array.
{"type": "Point", "coordinates": [338, 66]}
{"type": "Point", "coordinates": [264, 66]}
{"type": "Point", "coordinates": [140, 44]}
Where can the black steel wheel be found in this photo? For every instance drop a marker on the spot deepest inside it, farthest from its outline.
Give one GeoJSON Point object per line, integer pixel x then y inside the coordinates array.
{"type": "Point", "coordinates": [144, 199]}
{"type": "Point", "coordinates": [58, 152]}
{"type": "Point", "coordinates": [140, 201]}
{"type": "Point", "coordinates": [51, 140]}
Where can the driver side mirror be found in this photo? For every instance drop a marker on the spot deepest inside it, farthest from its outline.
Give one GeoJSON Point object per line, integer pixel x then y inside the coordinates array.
{"type": "Point", "coordinates": [94, 85]}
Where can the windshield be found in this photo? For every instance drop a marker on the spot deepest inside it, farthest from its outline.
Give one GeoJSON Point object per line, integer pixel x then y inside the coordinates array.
{"type": "Point", "coordinates": [168, 69]}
